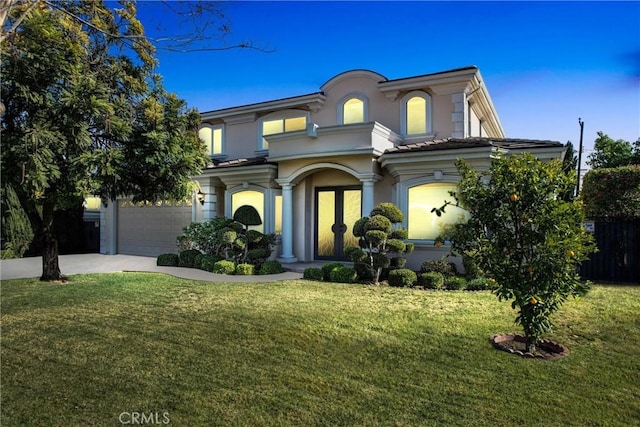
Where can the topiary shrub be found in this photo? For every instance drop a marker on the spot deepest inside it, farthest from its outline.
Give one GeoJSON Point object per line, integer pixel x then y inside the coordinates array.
{"type": "Point", "coordinates": [313, 273]}
{"type": "Point", "coordinates": [455, 283]}
{"type": "Point", "coordinates": [343, 275]}
{"type": "Point", "coordinates": [224, 267]}
{"type": "Point", "coordinates": [271, 267]}
{"type": "Point", "coordinates": [247, 215]}
{"type": "Point", "coordinates": [328, 268]}
{"type": "Point", "coordinates": [167, 260]}
{"type": "Point", "coordinates": [438, 265]}
{"type": "Point", "coordinates": [244, 269]}
{"type": "Point", "coordinates": [431, 280]}
{"type": "Point", "coordinates": [479, 284]}
{"type": "Point", "coordinates": [187, 258]}
{"type": "Point", "coordinates": [207, 262]}
{"type": "Point", "coordinates": [402, 278]}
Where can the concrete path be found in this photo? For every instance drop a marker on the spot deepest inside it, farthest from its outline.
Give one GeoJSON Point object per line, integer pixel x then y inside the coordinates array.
{"type": "Point", "coordinates": [96, 263]}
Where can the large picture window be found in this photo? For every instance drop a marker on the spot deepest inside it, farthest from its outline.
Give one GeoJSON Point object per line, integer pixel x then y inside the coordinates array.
{"type": "Point", "coordinates": [424, 224]}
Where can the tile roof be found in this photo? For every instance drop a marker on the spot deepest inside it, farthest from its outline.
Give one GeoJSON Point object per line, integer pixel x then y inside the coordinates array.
{"type": "Point", "coordinates": [457, 143]}
{"type": "Point", "coordinates": [237, 163]}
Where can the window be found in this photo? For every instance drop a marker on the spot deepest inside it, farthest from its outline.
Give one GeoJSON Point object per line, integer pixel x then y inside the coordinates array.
{"type": "Point", "coordinates": [212, 137]}
{"type": "Point", "coordinates": [252, 198]}
{"type": "Point", "coordinates": [353, 111]}
{"type": "Point", "coordinates": [416, 114]}
{"type": "Point", "coordinates": [288, 124]}
{"type": "Point", "coordinates": [278, 214]}
{"type": "Point", "coordinates": [424, 224]}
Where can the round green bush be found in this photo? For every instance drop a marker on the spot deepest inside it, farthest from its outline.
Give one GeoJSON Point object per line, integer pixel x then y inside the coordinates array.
{"type": "Point", "coordinates": [187, 258]}
{"type": "Point", "coordinates": [355, 254]}
{"type": "Point", "coordinates": [375, 237]}
{"type": "Point", "coordinates": [398, 262]}
{"type": "Point", "coordinates": [358, 226]}
{"type": "Point", "coordinates": [390, 211]}
{"type": "Point", "coordinates": [378, 222]}
{"type": "Point", "coordinates": [245, 269]}
{"type": "Point", "coordinates": [402, 278]}
{"type": "Point", "coordinates": [168, 260]}
{"type": "Point", "coordinates": [328, 268]}
{"type": "Point", "coordinates": [479, 284]}
{"type": "Point", "coordinates": [363, 269]}
{"type": "Point", "coordinates": [313, 273]}
{"type": "Point", "coordinates": [207, 262]}
{"type": "Point", "coordinates": [224, 267]}
{"type": "Point", "coordinates": [400, 234]}
{"type": "Point", "coordinates": [254, 236]}
{"type": "Point", "coordinates": [271, 267]}
{"type": "Point", "coordinates": [343, 275]}
{"type": "Point", "coordinates": [438, 265]}
{"type": "Point", "coordinates": [431, 280]}
{"type": "Point", "coordinates": [381, 261]}
{"type": "Point", "coordinates": [247, 215]}
{"type": "Point", "coordinates": [455, 283]}
{"type": "Point", "coordinates": [395, 245]}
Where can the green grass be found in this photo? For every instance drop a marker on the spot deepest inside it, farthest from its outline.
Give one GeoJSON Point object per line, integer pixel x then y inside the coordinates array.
{"type": "Point", "coordinates": [305, 353]}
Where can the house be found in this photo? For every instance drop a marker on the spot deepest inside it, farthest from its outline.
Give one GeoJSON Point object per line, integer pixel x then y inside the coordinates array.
{"type": "Point", "coordinates": [314, 164]}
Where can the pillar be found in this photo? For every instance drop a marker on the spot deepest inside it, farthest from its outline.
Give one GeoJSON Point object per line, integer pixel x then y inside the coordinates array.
{"type": "Point", "coordinates": [287, 225]}
{"type": "Point", "coordinates": [367, 197]}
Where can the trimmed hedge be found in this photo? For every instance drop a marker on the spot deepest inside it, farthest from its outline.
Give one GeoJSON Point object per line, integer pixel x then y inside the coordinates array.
{"type": "Point", "coordinates": [187, 258]}
{"type": "Point", "coordinates": [479, 284]}
{"type": "Point", "coordinates": [224, 267]}
{"type": "Point", "coordinates": [271, 267]}
{"type": "Point", "coordinates": [244, 269]}
{"type": "Point", "coordinates": [167, 260]}
{"type": "Point", "coordinates": [207, 262]}
{"type": "Point", "coordinates": [343, 275]}
{"type": "Point", "coordinates": [403, 278]}
{"type": "Point", "coordinates": [440, 265]}
{"type": "Point", "coordinates": [328, 268]}
{"type": "Point", "coordinates": [455, 283]}
{"type": "Point", "coordinates": [431, 280]}
{"type": "Point", "coordinates": [313, 273]}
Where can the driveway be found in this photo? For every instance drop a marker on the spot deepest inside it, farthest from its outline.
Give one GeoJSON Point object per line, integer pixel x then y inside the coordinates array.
{"type": "Point", "coordinates": [24, 268]}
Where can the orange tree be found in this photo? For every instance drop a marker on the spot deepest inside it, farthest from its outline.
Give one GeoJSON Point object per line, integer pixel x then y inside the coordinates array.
{"type": "Point", "coordinates": [523, 235]}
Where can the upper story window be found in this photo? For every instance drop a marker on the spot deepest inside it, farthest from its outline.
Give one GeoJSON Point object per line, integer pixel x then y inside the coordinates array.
{"type": "Point", "coordinates": [292, 122]}
{"type": "Point", "coordinates": [416, 114]}
{"type": "Point", "coordinates": [353, 109]}
{"type": "Point", "coordinates": [213, 139]}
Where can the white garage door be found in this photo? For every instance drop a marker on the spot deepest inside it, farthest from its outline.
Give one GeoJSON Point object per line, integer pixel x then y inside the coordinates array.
{"type": "Point", "coordinates": [151, 229]}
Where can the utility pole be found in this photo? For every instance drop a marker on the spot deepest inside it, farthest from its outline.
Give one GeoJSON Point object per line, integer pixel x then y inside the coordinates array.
{"type": "Point", "coordinates": [581, 123]}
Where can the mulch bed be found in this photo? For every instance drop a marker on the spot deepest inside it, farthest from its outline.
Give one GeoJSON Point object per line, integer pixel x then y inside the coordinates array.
{"type": "Point", "coordinates": [516, 344]}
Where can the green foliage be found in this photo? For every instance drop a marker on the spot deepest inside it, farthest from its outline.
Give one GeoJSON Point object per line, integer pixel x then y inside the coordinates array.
{"type": "Point", "coordinates": [398, 262]}
{"type": "Point", "coordinates": [455, 283]}
{"type": "Point", "coordinates": [313, 273]}
{"type": "Point", "coordinates": [377, 239]}
{"type": "Point", "coordinates": [438, 265]}
{"type": "Point", "coordinates": [612, 193]}
{"type": "Point", "coordinates": [328, 268]}
{"type": "Point", "coordinates": [610, 153]}
{"type": "Point", "coordinates": [245, 269]}
{"type": "Point", "coordinates": [402, 278]}
{"type": "Point", "coordinates": [187, 258]}
{"type": "Point", "coordinates": [7, 254]}
{"type": "Point", "coordinates": [523, 235]}
{"type": "Point", "coordinates": [168, 260]}
{"type": "Point", "coordinates": [343, 275]}
{"type": "Point", "coordinates": [271, 267]}
{"type": "Point", "coordinates": [431, 280]}
{"type": "Point", "coordinates": [471, 268]}
{"type": "Point", "coordinates": [16, 227]}
{"type": "Point", "coordinates": [247, 215]}
{"type": "Point", "coordinates": [569, 166]}
{"type": "Point", "coordinates": [208, 261]}
{"type": "Point", "coordinates": [224, 267]}
{"type": "Point", "coordinates": [479, 284]}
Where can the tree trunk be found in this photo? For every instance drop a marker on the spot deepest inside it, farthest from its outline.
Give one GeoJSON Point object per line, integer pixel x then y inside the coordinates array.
{"type": "Point", "coordinates": [49, 242]}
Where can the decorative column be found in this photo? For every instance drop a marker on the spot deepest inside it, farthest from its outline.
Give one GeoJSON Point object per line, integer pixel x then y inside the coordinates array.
{"type": "Point", "coordinates": [209, 207]}
{"type": "Point", "coordinates": [111, 216]}
{"type": "Point", "coordinates": [367, 196]}
{"type": "Point", "coordinates": [287, 225]}
{"type": "Point", "coordinates": [459, 101]}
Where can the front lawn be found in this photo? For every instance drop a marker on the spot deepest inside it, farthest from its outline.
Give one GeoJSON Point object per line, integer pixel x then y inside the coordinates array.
{"type": "Point", "coordinates": [304, 353]}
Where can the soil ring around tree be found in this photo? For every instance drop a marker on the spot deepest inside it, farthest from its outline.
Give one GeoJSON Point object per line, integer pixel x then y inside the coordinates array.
{"type": "Point", "coordinates": [516, 344]}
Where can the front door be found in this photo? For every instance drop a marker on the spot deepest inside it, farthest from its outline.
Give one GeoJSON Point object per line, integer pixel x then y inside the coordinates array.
{"type": "Point", "coordinates": [337, 209]}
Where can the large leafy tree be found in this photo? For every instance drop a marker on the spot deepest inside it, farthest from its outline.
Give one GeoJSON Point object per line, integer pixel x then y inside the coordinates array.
{"type": "Point", "coordinates": [85, 114]}
{"type": "Point", "coordinates": [523, 235]}
{"type": "Point", "coordinates": [611, 153]}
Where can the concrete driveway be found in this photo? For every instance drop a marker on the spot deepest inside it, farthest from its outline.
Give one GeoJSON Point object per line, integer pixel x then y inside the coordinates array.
{"type": "Point", "coordinates": [97, 263]}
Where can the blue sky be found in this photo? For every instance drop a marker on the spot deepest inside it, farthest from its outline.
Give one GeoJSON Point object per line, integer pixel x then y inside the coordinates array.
{"type": "Point", "coordinates": [545, 64]}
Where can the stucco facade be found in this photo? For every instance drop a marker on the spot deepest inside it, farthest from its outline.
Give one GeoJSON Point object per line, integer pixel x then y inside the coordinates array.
{"type": "Point", "coordinates": [312, 164]}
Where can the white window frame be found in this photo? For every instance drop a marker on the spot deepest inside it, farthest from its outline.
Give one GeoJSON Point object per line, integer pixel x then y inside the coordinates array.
{"type": "Point", "coordinates": [354, 95]}
{"type": "Point", "coordinates": [223, 145]}
{"type": "Point", "coordinates": [268, 208]}
{"type": "Point", "coordinates": [261, 150]}
{"type": "Point", "coordinates": [428, 112]}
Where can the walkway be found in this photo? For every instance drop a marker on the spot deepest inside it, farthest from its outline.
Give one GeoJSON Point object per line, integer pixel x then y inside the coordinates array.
{"type": "Point", "coordinates": [96, 263]}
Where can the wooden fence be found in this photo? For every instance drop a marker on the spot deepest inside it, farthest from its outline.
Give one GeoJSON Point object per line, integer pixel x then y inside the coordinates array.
{"type": "Point", "coordinates": [618, 259]}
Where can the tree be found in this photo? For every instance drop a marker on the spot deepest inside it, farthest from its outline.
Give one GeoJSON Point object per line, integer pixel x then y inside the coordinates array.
{"type": "Point", "coordinates": [612, 193]}
{"type": "Point", "coordinates": [609, 153]}
{"type": "Point", "coordinates": [523, 236]}
{"type": "Point", "coordinates": [378, 239]}
{"type": "Point", "coordinates": [569, 166]}
{"type": "Point", "coordinates": [82, 118]}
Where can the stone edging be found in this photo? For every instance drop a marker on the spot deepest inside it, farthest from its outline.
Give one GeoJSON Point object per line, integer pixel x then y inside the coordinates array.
{"type": "Point", "coordinates": [554, 349]}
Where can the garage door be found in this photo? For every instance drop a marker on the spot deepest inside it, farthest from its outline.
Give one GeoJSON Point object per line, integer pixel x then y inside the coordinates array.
{"type": "Point", "coordinates": [151, 229]}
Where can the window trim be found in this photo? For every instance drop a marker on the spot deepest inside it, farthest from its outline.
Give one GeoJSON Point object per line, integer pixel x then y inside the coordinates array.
{"type": "Point", "coordinates": [365, 107]}
{"type": "Point", "coordinates": [283, 115]}
{"type": "Point", "coordinates": [268, 204]}
{"type": "Point", "coordinates": [428, 112]}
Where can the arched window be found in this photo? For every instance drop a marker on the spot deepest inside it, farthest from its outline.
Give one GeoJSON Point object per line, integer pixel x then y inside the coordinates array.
{"type": "Point", "coordinates": [353, 109]}
{"type": "Point", "coordinates": [213, 139]}
{"type": "Point", "coordinates": [416, 114]}
{"type": "Point", "coordinates": [422, 224]}
{"type": "Point", "coordinates": [252, 198]}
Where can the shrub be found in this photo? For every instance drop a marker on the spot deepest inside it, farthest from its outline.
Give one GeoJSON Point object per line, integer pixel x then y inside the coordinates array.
{"type": "Point", "coordinates": [471, 268]}
{"type": "Point", "coordinates": [343, 275]}
{"type": "Point", "coordinates": [187, 258]}
{"type": "Point", "coordinates": [438, 265]}
{"type": "Point", "coordinates": [313, 273]}
{"type": "Point", "coordinates": [455, 283]}
{"type": "Point", "coordinates": [167, 260]}
{"type": "Point", "coordinates": [207, 262]}
{"type": "Point", "coordinates": [403, 278]}
{"type": "Point", "coordinates": [270, 267]}
{"type": "Point", "coordinates": [247, 215]}
{"type": "Point", "coordinates": [244, 269]}
{"type": "Point", "coordinates": [224, 267]}
{"type": "Point", "coordinates": [7, 254]}
{"type": "Point", "coordinates": [328, 268]}
{"type": "Point", "coordinates": [197, 260]}
{"type": "Point", "coordinates": [479, 284]}
{"type": "Point", "coordinates": [431, 280]}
